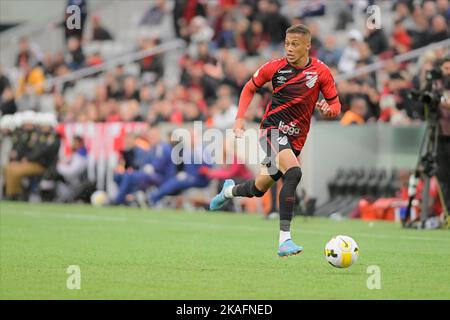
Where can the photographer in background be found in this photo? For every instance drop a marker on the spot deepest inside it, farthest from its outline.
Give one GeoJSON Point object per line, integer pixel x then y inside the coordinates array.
{"type": "Point", "coordinates": [443, 148]}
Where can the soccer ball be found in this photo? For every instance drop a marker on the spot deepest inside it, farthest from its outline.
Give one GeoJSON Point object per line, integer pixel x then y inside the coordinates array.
{"type": "Point", "coordinates": [341, 251]}
{"type": "Point", "coordinates": [99, 198]}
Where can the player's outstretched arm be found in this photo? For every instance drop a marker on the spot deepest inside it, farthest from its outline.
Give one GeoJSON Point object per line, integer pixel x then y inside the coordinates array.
{"type": "Point", "coordinates": [244, 101]}
{"type": "Point", "coordinates": [329, 109]}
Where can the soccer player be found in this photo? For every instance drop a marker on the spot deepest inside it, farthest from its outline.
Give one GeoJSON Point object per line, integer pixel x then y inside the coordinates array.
{"type": "Point", "coordinates": [297, 80]}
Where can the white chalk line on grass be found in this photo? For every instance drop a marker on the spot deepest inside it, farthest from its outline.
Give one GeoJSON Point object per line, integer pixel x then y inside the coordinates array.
{"type": "Point", "coordinates": [92, 217]}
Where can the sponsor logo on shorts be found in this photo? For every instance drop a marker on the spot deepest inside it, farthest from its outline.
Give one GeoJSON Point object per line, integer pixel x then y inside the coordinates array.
{"type": "Point", "coordinates": [290, 129]}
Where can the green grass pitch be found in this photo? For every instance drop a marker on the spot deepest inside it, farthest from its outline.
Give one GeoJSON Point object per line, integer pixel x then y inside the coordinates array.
{"type": "Point", "coordinates": [126, 253]}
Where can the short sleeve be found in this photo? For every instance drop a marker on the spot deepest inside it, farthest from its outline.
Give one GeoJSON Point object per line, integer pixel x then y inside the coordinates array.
{"type": "Point", "coordinates": [265, 73]}
{"type": "Point", "coordinates": [327, 84]}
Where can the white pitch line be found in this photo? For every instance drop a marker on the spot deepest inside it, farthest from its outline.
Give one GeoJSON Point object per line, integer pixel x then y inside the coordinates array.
{"type": "Point", "coordinates": [91, 217]}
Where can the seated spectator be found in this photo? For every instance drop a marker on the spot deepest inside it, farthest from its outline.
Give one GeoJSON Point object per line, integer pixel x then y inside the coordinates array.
{"type": "Point", "coordinates": [251, 37]}
{"type": "Point", "coordinates": [41, 154]}
{"type": "Point", "coordinates": [7, 102]}
{"type": "Point", "coordinates": [31, 81]}
{"type": "Point", "coordinates": [64, 183]}
{"type": "Point", "coordinates": [99, 32]}
{"type": "Point", "coordinates": [231, 168]}
{"type": "Point", "coordinates": [195, 167]}
{"type": "Point", "coordinates": [75, 58]}
{"type": "Point", "coordinates": [130, 89]}
{"type": "Point", "coordinates": [7, 128]}
{"type": "Point", "coordinates": [226, 37]}
{"type": "Point", "coordinates": [224, 111]}
{"type": "Point", "coordinates": [351, 54]}
{"type": "Point", "coordinates": [400, 41]}
{"type": "Point", "coordinates": [439, 29]}
{"type": "Point", "coordinates": [25, 56]}
{"type": "Point", "coordinates": [377, 40]}
{"type": "Point", "coordinates": [129, 111]}
{"type": "Point", "coordinates": [94, 60]}
{"type": "Point", "coordinates": [443, 7]}
{"type": "Point", "coordinates": [356, 113]}
{"type": "Point", "coordinates": [151, 66]}
{"type": "Point", "coordinates": [390, 113]}
{"type": "Point", "coordinates": [155, 168]}
{"type": "Point", "coordinates": [4, 81]}
{"type": "Point", "coordinates": [329, 53]}
{"type": "Point", "coordinates": [315, 8]}
{"type": "Point", "coordinates": [155, 14]}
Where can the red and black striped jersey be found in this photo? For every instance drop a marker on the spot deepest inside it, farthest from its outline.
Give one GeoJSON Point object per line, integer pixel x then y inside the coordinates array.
{"type": "Point", "coordinates": [294, 96]}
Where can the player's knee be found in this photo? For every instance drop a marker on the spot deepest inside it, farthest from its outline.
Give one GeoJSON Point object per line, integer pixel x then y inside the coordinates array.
{"type": "Point", "coordinates": [293, 175]}
{"type": "Point", "coordinates": [256, 192]}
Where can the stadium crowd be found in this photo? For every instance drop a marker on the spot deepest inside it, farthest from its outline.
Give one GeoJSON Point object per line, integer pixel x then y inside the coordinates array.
{"type": "Point", "coordinates": [227, 41]}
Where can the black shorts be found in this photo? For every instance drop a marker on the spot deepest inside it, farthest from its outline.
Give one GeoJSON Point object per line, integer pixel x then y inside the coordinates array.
{"type": "Point", "coordinates": [272, 142]}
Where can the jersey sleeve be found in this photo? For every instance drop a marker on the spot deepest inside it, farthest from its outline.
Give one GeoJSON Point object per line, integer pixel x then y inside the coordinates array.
{"type": "Point", "coordinates": [327, 85]}
{"type": "Point", "coordinates": [265, 73]}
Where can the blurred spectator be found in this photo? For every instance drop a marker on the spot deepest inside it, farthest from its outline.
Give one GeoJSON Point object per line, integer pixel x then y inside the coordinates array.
{"type": "Point", "coordinates": [316, 44]}
{"type": "Point", "coordinates": [60, 71]}
{"type": "Point", "coordinates": [357, 112]}
{"type": "Point", "coordinates": [99, 32]}
{"type": "Point", "coordinates": [7, 102]}
{"type": "Point", "coordinates": [31, 81]}
{"type": "Point", "coordinates": [25, 56]}
{"type": "Point", "coordinates": [70, 174]}
{"type": "Point", "coordinates": [429, 9]}
{"type": "Point", "coordinates": [443, 7]}
{"type": "Point", "coordinates": [191, 112]}
{"type": "Point", "coordinates": [314, 8]}
{"type": "Point", "coordinates": [329, 53]}
{"type": "Point", "coordinates": [252, 37]}
{"type": "Point", "coordinates": [351, 54]}
{"type": "Point", "coordinates": [400, 41]}
{"type": "Point", "coordinates": [130, 89]}
{"type": "Point", "coordinates": [155, 14]}
{"type": "Point", "coordinates": [195, 168]}
{"type": "Point", "coordinates": [183, 13]}
{"type": "Point", "coordinates": [129, 112]}
{"type": "Point", "coordinates": [199, 31]}
{"type": "Point", "coordinates": [224, 111]}
{"type": "Point", "coordinates": [276, 25]}
{"type": "Point", "coordinates": [226, 37]}
{"type": "Point", "coordinates": [4, 81]}
{"type": "Point", "coordinates": [230, 168]}
{"type": "Point", "coordinates": [390, 113]}
{"type": "Point", "coordinates": [345, 15]}
{"type": "Point", "coordinates": [156, 167]}
{"type": "Point", "coordinates": [377, 40]}
{"type": "Point", "coordinates": [94, 60]}
{"type": "Point", "coordinates": [41, 155]}
{"type": "Point", "coordinates": [153, 63]}
{"type": "Point", "coordinates": [75, 58]}
{"type": "Point", "coordinates": [439, 29]}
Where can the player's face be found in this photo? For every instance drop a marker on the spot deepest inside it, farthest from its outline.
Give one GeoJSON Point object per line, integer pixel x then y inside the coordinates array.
{"type": "Point", "coordinates": [297, 47]}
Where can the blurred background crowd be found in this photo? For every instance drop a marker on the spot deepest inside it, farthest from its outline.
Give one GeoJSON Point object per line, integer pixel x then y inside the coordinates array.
{"type": "Point", "coordinates": [225, 41]}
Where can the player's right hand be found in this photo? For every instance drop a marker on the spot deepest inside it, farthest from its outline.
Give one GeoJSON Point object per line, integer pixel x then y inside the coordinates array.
{"type": "Point", "coordinates": [239, 128]}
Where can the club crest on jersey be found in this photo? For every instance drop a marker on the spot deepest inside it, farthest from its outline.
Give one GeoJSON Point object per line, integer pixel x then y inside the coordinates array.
{"type": "Point", "coordinates": [289, 129]}
{"type": "Point", "coordinates": [311, 81]}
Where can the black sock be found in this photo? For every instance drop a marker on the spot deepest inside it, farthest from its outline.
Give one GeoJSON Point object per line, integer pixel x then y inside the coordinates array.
{"type": "Point", "coordinates": [246, 189]}
{"type": "Point", "coordinates": [291, 180]}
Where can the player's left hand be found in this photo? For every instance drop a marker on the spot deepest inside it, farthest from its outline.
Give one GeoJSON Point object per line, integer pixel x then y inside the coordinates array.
{"type": "Point", "coordinates": [324, 108]}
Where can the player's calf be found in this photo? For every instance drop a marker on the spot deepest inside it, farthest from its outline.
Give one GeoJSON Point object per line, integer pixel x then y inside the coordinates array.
{"type": "Point", "coordinates": [291, 179]}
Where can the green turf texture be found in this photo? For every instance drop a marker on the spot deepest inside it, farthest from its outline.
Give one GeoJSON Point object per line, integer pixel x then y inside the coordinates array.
{"type": "Point", "coordinates": [126, 253]}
